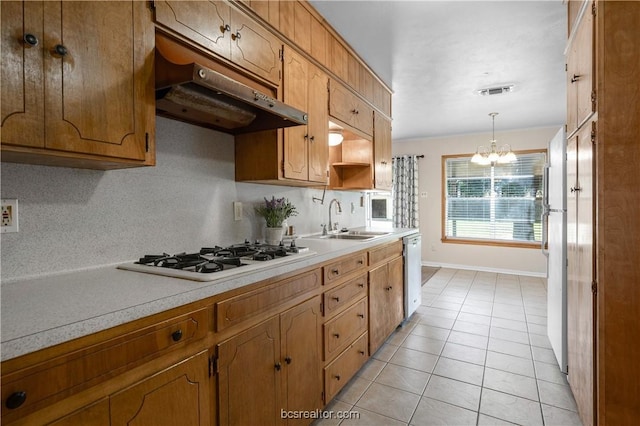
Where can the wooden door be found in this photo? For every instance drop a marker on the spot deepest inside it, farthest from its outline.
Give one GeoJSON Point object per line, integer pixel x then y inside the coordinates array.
{"type": "Point", "coordinates": [580, 272]}
{"type": "Point", "coordinates": [382, 152]}
{"type": "Point", "coordinates": [206, 23]}
{"type": "Point", "coordinates": [296, 75]}
{"type": "Point", "coordinates": [386, 305]}
{"type": "Point", "coordinates": [177, 395]}
{"type": "Point", "coordinates": [318, 143]}
{"type": "Point", "coordinates": [301, 346]}
{"type": "Point", "coordinates": [580, 74]}
{"type": "Point", "coordinates": [249, 376]}
{"type": "Point", "coordinates": [255, 48]}
{"type": "Point", "coordinates": [99, 86]}
{"type": "Point", "coordinates": [22, 105]}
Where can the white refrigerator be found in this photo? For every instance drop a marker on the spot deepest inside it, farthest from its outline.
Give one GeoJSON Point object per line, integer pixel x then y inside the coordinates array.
{"type": "Point", "coordinates": [554, 246]}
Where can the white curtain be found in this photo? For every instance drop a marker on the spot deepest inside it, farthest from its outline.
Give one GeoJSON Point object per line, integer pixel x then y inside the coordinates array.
{"type": "Point", "coordinates": [405, 191]}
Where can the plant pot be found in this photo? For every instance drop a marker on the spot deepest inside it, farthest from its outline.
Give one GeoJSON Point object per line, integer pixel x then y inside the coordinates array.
{"type": "Point", "coordinates": [273, 236]}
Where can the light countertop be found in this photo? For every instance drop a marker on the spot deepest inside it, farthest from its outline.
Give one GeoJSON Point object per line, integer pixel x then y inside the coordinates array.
{"type": "Point", "coordinates": [41, 312]}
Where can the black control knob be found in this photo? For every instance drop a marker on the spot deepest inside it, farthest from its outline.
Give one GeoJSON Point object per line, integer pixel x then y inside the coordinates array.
{"type": "Point", "coordinates": [60, 50]}
{"type": "Point", "coordinates": [15, 400]}
{"type": "Point", "coordinates": [30, 39]}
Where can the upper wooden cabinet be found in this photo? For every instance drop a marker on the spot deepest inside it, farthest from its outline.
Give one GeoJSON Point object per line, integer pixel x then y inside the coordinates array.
{"type": "Point", "coordinates": [77, 84]}
{"type": "Point", "coordinates": [581, 95]}
{"type": "Point", "coordinates": [302, 152]}
{"type": "Point", "coordinates": [226, 31]}
{"type": "Point", "coordinates": [382, 152]}
{"type": "Point", "coordinates": [350, 109]}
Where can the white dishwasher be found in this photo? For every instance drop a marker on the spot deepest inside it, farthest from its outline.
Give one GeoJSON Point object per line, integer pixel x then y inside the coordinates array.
{"type": "Point", "coordinates": [412, 273]}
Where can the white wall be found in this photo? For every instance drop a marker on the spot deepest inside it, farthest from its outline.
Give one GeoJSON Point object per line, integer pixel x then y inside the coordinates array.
{"type": "Point", "coordinates": [74, 219]}
{"type": "Point", "coordinates": [478, 257]}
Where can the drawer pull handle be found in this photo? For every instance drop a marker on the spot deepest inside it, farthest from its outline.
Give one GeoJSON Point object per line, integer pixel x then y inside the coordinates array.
{"type": "Point", "coordinates": [361, 285]}
{"type": "Point", "coordinates": [336, 335]}
{"type": "Point", "coordinates": [575, 78]}
{"type": "Point", "coordinates": [388, 288]}
{"type": "Point", "coordinates": [361, 352]}
{"type": "Point", "coordinates": [278, 366]}
{"type": "Point", "coordinates": [16, 399]}
{"type": "Point", "coordinates": [236, 36]}
{"type": "Point", "coordinates": [225, 28]}
{"type": "Point", "coordinates": [337, 299]}
{"type": "Point", "coordinates": [337, 377]}
{"type": "Point", "coordinates": [360, 315]}
{"type": "Point", "coordinates": [287, 360]}
{"type": "Point", "coordinates": [360, 262]}
{"type": "Point", "coordinates": [176, 335]}
{"type": "Point", "coordinates": [335, 271]}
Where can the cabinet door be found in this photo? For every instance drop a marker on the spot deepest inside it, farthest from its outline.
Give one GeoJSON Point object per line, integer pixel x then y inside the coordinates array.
{"type": "Point", "coordinates": [177, 395]}
{"type": "Point", "coordinates": [203, 22]}
{"type": "Point", "coordinates": [580, 298]}
{"type": "Point", "coordinates": [296, 75]}
{"type": "Point", "coordinates": [318, 125]}
{"type": "Point", "coordinates": [385, 301]}
{"type": "Point", "coordinates": [22, 113]}
{"type": "Point", "coordinates": [255, 48]}
{"type": "Point", "coordinates": [99, 87]}
{"type": "Point", "coordinates": [580, 74]}
{"type": "Point", "coordinates": [249, 379]}
{"type": "Point", "coordinates": [382, 152]}
{"type": "Point", "coordinates": [301, 360]}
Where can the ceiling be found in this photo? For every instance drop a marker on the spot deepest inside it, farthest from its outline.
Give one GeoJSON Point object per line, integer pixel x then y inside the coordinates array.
{"type": "Point", "coordinates": [435, 55]}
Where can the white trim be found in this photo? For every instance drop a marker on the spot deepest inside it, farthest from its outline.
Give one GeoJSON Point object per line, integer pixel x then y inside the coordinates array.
{"type": "Point", "coordinates": [485, 269]}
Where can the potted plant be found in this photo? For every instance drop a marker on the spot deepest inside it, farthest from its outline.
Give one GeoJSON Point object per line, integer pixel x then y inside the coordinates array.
{"type": "Point", "coordinates": [275, 212]}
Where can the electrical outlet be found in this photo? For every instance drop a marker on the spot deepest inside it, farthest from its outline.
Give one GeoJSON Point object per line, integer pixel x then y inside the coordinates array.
{"type": "Point", "coordinates": [9, 216]}
{"type": "Point", "coordinates": [237, 210]}
{"type": "Point", "coordinates": [424, 194]}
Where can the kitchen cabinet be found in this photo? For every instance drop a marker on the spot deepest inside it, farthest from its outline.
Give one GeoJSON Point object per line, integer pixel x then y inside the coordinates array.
{"type": "Point", "coordinates": [73, 100]}
{"type": "Point", "coordinates": [271, 366]}
{"type": "Point", "coordinates": [350, 109]}
{"type": "Point", "coordinates": [580, 74]}
{"type": "Point", "coordinates": [302, 152]}
{"type": "Point", "coordinates": [224, 30]}
{"type": "Point", "coordinates": [350, 163]}
{"type": "Point", "coordinates": [603, 297]}
{"type": "Point", "coordinates": [176, 395]}
{"type": "Point", "coordinates": [382, 152]}
{"type": "Point", "coordinates": [386, 293]}
{"type": "Point", "coordinates": [345, 366]}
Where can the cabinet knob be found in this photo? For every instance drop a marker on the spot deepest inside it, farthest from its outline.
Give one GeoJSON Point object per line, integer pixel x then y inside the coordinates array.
{"type": "Point", "coordinates": [388, 288]}
{"type": "Point", "coordinates": [337, 377]}
{"type": "Point", "coordinates": [360, 261]}
{"type": "Point", "coordinates": [312, 138]}
{"type": "Point", "coordinates": [336, 335]}
{"type": "Point", "coordinates": [236, 36]}
{"type": "Point", "coordinates": [575, 78]}
{"type": "Point", "coordinates": [225, 28]}
{"type": "Point", "coordinates": [361, 352]}
{"type": "Point", "coordinates": [360, 315]}
{"type": "Point", "coordinates": [335, 271]}
{"type": "Point", "coordinates": [30, 40]}
{"type": "Point", "coordinates": [355, 111]}
{"type": "Point", "coordinates": [59, 50]}
{"type": "Point", "coordinates": [288, 360]}
{"type": "Point", "coordinates": [176, 335]}
{"type": "Point", "coordinates": [278, 366]}
{"type": "Point", "coordinates": [337, 299]}
{"type": "Point", "coordinates": [15, 400]}
{"type": "Point", "coordinates": [361, 285]}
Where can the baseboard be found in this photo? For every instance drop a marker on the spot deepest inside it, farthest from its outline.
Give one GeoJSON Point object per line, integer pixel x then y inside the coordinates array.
{"type": "Point", "coordinates": [485, 269]}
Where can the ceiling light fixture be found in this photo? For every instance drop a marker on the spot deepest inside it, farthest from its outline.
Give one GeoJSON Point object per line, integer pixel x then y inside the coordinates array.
{"type": "Point", "coordinates": [335, 137]}
{"type": "Point", "coordinates": [498, 90]}
{"type": "Point", "coordinates": [492, 154]}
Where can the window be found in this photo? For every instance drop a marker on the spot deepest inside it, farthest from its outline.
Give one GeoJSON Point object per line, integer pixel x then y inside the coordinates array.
{"type": "Point", "coordinates": [496, 204]}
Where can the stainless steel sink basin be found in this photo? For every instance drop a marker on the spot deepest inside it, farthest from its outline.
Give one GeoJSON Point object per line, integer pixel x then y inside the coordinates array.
{"type": "Point", "coordinates": [352, 235]}
{"type": "Point", "coordinates": [369, 233]}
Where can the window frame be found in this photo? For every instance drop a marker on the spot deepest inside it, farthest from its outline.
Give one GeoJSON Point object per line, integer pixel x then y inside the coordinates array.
{"type": "Point", "coordinates": [478, 241]}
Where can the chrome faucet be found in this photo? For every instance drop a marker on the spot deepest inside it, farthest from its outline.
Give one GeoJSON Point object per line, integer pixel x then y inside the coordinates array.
{"type": "Point", "coordinates": [331, 226]}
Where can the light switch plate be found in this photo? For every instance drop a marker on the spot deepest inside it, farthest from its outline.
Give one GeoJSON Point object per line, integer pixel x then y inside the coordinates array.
{"type": "Point", "coordinates": [9, 218]}
{"type": "Point", "coordinates": [237, 211]}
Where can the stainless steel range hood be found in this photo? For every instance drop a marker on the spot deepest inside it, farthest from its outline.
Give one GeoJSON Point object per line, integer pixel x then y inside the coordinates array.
{"type": "Point", "coordinates": [202, 96]}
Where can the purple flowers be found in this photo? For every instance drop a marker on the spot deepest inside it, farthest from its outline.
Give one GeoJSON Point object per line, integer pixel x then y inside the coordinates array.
{"type": "Point", "coordinates": [275, 211]}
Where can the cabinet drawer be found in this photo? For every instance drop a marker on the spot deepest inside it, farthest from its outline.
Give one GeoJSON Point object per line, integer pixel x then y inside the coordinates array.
{"type": "Point", "coordinates": [336, 270]}
{"type": "Point", "coordinates": [340, 331]}
{"type": "Point", "coordinates": [245, 306]}
{"type": "Point", "coordinates": [347, 107]}
{"type": "Point", "coordinates": [385, 252]}
{"type": "Point", "coordinates": [64, 375]}
{"type": "Point", "coordinates": [337, 298]}
{"type": "Point", "coordinates": [338, 373]}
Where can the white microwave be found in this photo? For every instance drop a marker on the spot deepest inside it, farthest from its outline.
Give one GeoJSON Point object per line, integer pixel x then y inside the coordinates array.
{"type": "Point", "coordinates": [379, 207]}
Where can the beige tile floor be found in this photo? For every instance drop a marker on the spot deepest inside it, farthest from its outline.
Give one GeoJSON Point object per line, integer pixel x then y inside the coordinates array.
{"type": "Point", "coordinates": [475, 353]}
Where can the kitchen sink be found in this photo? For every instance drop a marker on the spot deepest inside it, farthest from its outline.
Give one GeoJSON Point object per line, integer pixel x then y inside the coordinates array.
{"type": "Point", "coordinates": [352, 235]}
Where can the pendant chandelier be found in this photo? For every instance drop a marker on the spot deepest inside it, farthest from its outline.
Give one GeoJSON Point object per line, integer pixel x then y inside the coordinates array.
{"type": "Point", "coordinates": [493, 154]}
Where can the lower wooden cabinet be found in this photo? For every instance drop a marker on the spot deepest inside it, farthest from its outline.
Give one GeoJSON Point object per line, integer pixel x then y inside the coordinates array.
{"type": "Point", "coordinates": [386, 305]}
{"type": "Point", "coordinates": [341, 369]}
{"type": "Point", "coordinates": [177, 395]}
{"type": "Point", "coordinates": [272, 366]}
